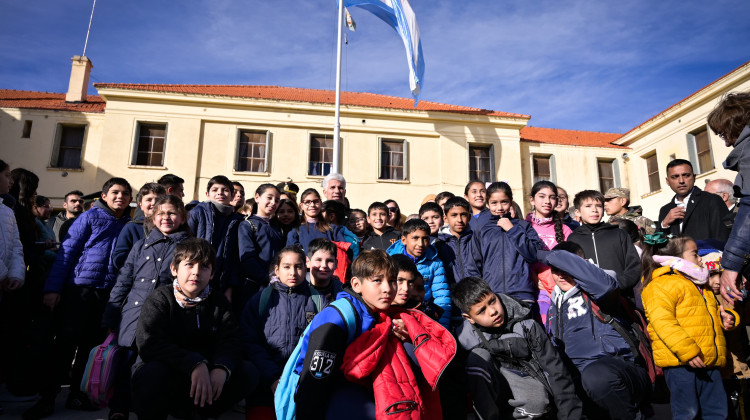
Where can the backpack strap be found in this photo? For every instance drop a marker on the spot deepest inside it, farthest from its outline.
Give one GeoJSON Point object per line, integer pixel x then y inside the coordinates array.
{"type": "Point", "coordinates": [317, 298]}
{"type": "Point", "coordinates": [265, 298]}
{"type": "Point", "coordinates": [346, 309]}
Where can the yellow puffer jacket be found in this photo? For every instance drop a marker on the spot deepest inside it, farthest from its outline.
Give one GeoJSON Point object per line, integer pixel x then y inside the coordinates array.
{"type": "Point", "coordinates": [682, 321]}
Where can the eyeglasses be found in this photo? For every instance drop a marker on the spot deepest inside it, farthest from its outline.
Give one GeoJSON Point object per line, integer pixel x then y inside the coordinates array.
{"type": "Point", "coordinates": [357, 220]}
{"type": "Point", "coordinates": [393, 209]}
{"type": "Point", "coordinates": [311, 202]}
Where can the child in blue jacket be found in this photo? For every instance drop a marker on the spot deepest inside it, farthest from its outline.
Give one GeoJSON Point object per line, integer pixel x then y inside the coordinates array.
{"type": "Point", "coordinates": [314, 224]}
{"type": "Point", "coordinates": [79, 283]}
{"type": "Point", "coordinates": [273, 320]}
{"type": "Point", "coordinates": [260, 239]}
{"type": "Point", "coordinates": [415, 243]}
{"type": "Point", "coordinates": [508, 247]}
{"type": "Point", "coordinates": [604, 364]}
{"type": "Point", "coordinates": [215, 221]}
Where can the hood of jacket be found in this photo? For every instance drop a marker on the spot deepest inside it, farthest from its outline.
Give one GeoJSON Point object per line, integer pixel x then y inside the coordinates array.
{"type": "Point", "coordinates": [515, 312]}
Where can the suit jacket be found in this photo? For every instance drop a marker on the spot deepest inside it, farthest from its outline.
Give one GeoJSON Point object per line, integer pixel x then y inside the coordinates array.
{"type": "Point", "coordinates": [703, 217]}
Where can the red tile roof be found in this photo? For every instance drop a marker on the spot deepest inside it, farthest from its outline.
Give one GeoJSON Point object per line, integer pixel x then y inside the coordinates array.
{"type": "Point", "coordinates": [570, 137]}
{"type": "Point", "coordinates": [309, 95]}
{"type": "Point", "coordinates": [745, 64]}
{"type": "Point", "coordinates": [10, 98]}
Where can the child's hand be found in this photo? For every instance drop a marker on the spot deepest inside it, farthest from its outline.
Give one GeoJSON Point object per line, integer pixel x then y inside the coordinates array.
{"type": "Point", "coordinates": [505, 223]}
{"type": "Point", "coordinates": [697, 362]}
{"type": "Point", "coordinates": [218, 379]}
{"type": "Point", "coordinates": [51, 300]}
{"type": "Point", "coordinates": [727, 318]}
{"type": "Point", "coordinates": [400, 331]}
{"type": "Point", "coordinates": [200, 385]}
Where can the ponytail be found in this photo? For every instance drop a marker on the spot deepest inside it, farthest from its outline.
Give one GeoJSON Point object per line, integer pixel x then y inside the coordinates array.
{"type": "Point", "coordinates": [558, 221]}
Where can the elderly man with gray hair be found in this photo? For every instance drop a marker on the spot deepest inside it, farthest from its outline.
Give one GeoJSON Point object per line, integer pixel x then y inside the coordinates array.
{"type": "Point", "coordinates": [334, 188]}
{"type": "Point", "coordinates": [724, 188]}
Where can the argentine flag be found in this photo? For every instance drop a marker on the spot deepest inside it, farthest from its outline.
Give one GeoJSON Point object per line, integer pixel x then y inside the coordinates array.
{"type": "Point", "coordinates": [399, 15]}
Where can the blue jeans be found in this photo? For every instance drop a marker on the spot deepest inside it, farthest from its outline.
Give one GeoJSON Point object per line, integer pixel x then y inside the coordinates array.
{"type": "Point", "coordinates": [617, 386]}
{"type": "Point", "coordinates": [696, 393]}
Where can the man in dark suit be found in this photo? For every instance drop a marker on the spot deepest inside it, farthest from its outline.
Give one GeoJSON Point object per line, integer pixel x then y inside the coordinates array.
{"type": "Point", "coordinates": [691, 212]}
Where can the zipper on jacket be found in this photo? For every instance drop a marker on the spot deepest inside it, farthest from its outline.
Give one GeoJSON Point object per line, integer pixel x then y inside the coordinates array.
{"type": "Point", "coordinates": [460, 261]}
{"type": "Point", "coordinates": [505, 280]}
{"type": "Point", "coordinates": [596, 253]}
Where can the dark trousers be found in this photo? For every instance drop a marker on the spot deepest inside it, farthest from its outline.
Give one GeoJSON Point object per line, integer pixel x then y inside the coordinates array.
{"type": "Point", "coordinates": [158, 390]}
{"type": "Point", "coordinates": [617, 386]}
{"type": "Point", "coordinates": [696, 393]}
{"type": "Point", "coordinates": [80, 330]}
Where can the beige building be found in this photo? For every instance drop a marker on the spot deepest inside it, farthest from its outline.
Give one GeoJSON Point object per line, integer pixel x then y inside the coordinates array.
{"type": "Point", "coordinates": [679, 131]}
{"type": "Point", "coordinates": [258, 134]}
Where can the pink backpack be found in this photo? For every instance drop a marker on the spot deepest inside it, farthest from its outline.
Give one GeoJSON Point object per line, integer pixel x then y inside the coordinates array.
{"type": "Point", "coordinates": [99, 377]}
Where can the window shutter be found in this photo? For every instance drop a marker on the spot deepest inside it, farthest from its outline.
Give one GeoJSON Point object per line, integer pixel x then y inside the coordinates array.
{"type": "Point", "coordinates": [693, 153]}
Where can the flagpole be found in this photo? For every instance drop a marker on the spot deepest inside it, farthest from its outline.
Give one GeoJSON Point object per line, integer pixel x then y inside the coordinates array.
{"type": "Point", "coordinates": [337, 122]}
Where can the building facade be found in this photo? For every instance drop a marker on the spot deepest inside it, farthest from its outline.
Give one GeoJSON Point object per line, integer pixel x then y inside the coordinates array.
{"type": "Point", "coordinates": [389, 149]}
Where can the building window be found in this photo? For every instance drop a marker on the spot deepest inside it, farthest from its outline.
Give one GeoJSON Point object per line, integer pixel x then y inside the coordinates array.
{"type": "Point", "coordinates": [606, 175]}
{"type": "Point", "coordinates": [543, 168]}
{"type": "Point", "coordinates": [481, 163]}
{"type": "Point", "coordinates": [321, 154]}
{"type": "Point", "coordinates": [149, 150]}
{"type": "Point", "coordinates": [699, 147]}
{"type": "Point", "coordinates": [652, 169]}
{"type": "Point", "coordinates": [252, 151]}
{"type": "Point", "coordinates": [392, 159]}
{"type": "Point", "coordinates": [69, 144]}
{"type": "Point", "coordinates": [26, 129]}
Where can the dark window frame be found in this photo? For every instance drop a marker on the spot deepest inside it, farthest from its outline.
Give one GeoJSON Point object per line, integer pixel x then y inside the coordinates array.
{"type": "Point", "coordinates": [144, 154]}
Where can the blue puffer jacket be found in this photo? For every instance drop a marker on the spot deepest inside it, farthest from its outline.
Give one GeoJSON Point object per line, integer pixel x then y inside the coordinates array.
{"type": "Point", "coordinates": [259, 242]}
{"type": "Point", "coordinates": [435, 284]}
{"type": "Point", "coordinates": [146, 268]}
{"type": "Point", "coordinates": [737, 250]}
{"type": "Point", "coordinates": [480, 219]}
{"type": "Point", "coordinates": [201, 220]}
{"type": "Point", "coordinates": [271, 337]}
{"type": "Point", "coordinates": [460, 256]}
{"type": "Point", "coordinates": [130, 234]}
{"type": "Point", "coordinates": [570, 320]}
{"type": "Point", "coordinates": [307, 232]}
{"type": "Point", "coordinates": [84, 258]}
{"type": "Point", "coordinates": [507, 255]}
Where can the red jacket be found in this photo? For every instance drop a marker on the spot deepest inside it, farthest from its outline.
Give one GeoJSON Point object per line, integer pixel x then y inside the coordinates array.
{"type": "Point", "coordinates": [378, 354]}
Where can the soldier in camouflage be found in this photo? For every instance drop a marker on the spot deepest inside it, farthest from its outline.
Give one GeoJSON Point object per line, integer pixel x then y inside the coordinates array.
{"type": "Point", "coordinates": [616, 202]}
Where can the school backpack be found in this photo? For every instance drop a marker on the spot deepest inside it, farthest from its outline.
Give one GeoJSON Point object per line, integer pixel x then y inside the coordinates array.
{"type": "Point", "coordinates": [637, 338]}
{"type": "Point", "coordinates": [283, 398]}
{"type": "Point", "coordinates": [99, 377]}
{"type": "Point", "coordinates": [265, 299]}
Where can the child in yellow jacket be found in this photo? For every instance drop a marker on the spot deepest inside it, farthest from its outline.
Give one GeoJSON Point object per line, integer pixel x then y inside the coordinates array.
{"type": "Point", "coordinates": [685, 324]}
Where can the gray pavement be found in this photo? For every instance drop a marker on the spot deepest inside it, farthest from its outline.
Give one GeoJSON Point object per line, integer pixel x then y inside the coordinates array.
{"type": "Point", "coordinates": [15, 406]}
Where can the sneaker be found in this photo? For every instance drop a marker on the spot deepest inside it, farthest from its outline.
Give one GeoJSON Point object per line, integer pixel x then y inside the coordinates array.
{"type": "Point", "coordinates": [79, 401]}
{"type": "Point", "coordinates": [45, 407]}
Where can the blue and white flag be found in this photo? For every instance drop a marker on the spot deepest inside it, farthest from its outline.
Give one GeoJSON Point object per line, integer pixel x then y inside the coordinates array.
{"type": "Point", "coordinates": [399, 15]}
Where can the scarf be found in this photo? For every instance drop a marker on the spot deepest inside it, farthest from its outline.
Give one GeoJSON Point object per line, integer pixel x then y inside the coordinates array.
{"type": "Point", "coordinates": [695, 273]}
{"type": "Point", "coordinates": [186, 302]}
{"type": "Point", "coordinates": [224, 209]}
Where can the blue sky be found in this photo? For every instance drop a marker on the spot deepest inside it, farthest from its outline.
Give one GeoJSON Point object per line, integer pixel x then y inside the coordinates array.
{"type": "Point", "coordinates": [586, 65]}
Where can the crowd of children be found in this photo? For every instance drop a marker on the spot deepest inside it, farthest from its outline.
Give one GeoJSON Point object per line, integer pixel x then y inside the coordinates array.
{"type": "Point", "coordinates": [323, 312]}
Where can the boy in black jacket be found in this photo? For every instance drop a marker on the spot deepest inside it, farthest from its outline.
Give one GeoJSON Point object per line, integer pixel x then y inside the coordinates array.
{"type": "Point", "coordinates": [609, 247]}
{"type": "Point", "coordinates": [512, 368]}
{"type": "Point", "coordinates": [190, 351]}
{"type": "Point", "coordinates": [382, 235]}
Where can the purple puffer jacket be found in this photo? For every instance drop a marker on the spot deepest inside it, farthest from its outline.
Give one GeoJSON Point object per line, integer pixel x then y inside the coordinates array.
{"type": "Point", "coordinates": [84, 256]}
